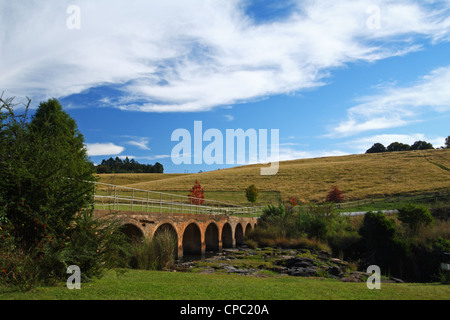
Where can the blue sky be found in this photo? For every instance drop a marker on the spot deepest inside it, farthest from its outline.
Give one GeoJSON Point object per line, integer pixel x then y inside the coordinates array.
{"type": "Point", "coordinates": [333, 77]}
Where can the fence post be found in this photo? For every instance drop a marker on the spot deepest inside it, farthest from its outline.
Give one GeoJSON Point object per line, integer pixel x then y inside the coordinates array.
{"type": "Point", "coordinates": [94, 198]}
{"type": "Point", "coordinates": [147, 200]}
{"type": "Point", "coordinates": [114, 203]}
{"type": "Point", "coordinates": [132, 198]}
{"type": "Point", "coordinates": [160, 203]}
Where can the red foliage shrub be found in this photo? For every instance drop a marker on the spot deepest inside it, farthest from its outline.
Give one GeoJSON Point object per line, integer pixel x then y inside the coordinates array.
{"type": "Point", "coordinates": [335, 195]}
{"type": "Point", "coordinates": [196, 195]}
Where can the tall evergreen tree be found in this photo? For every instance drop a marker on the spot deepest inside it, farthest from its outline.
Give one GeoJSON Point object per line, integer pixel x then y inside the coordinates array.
{"type": "Point", "coordinates": [48, 182]}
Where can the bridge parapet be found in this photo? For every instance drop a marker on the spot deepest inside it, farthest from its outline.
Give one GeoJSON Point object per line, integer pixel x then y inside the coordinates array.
{"type": "Point", "coordinates": [121, 198]}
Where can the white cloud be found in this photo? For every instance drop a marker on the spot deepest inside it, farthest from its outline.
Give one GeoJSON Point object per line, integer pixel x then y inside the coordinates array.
{"type": "Point", "coordinates": [398, 106]}
{"type": "Point", "coordinates": [103, 149]}
{"type": "Point", "coordinates": [292, 154]}
{"type": "Point", "coordinates": [172, 56]}
{"type": "Point", "coordinates": [363, 144]}
{"type": "Point", "coordinates": [124, 157]}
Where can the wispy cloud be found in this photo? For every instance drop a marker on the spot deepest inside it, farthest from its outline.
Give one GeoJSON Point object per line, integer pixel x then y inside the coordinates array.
{"type": "Point", "coordinates": [140, 142]}
{"type": "Point", "coordinates": [186, 56]}
{"type": "Point", "coordinates": [229, 117]}
{"type": "Point", "coordinates": [398, 106]}
{"type": "Point", "coordinates": [155, 157]}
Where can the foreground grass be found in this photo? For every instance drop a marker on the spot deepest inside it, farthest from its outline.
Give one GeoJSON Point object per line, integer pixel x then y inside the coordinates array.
{"type": "Point", "coordinates": [154, 285]}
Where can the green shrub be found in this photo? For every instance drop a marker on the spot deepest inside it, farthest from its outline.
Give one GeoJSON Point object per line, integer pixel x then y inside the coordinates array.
{"type": "Point", "coordinates": [20, 270]}
{"type": "Point", "coordinates": [273, 211]}
{"type": "Point", "coordinates": [251, 193]}
{"type": "Point", "coordinates": [377, 230]}
{"type": "Point", "coordinates": [141, 255]}
{"type": "Point", "coordinates": [445, 277]}
{"type": "Point", "coordinates": [317, 227]}
{"type": "Point", "coordinates": [279, 226]}
{"type": "Point", "coordinates": [92, 244]}
{"type": "Point", "coordinates": [441, 245]}
{"type": "Point", "coordinates": [252, 244]}
{"type": "Point", "coordinates": [347, 246]}
{"type": "Point", "coordinates": [415, 216]}
{"type": "Point", "coordinates": [154, 254]}
{"type": "Point", "coordinates": [164, 247]}
{"type": "Point", "coordinates": [323, 222]}
{"type": "Point", "coordinates": [383, 245]}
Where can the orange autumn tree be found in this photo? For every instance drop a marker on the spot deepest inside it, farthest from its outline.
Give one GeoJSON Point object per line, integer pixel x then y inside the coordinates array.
{"type": "Point", "coordinates": [196, 195]}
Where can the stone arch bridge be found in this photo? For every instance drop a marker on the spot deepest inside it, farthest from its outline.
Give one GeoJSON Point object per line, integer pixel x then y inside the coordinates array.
{"type": "Point", "coordinates": [196, 234]}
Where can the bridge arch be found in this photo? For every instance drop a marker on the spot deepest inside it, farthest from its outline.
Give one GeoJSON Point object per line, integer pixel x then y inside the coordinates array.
{"type": "Point", "coordinates": [167, 233]}
{"type": "Point", "coordinates": [248, 229]}
{"type": "Point", "coordinates": [132, 230]}
{"type": "Point", "coordinates": [239, 234]}
{"type": "Point", "coordinates": [212, 237]}
{"type": "Point", "coordinates": [227, 236]}
{"type": "Point", "coordinates": [192, 239]}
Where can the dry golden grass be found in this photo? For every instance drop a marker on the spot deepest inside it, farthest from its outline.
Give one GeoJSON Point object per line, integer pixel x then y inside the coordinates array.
{"type": "Point", "coordinates": [123, 179]}
{"type": "Point", "coordinates": [358, 176]}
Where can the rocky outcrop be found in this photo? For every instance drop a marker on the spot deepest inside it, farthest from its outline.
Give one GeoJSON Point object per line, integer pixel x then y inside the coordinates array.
{"type": "Point", "coordinates": [288, 262]}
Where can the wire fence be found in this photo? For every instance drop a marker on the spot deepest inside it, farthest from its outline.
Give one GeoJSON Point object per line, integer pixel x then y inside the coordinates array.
{"type": "Point", "coordinates": [120, 198]}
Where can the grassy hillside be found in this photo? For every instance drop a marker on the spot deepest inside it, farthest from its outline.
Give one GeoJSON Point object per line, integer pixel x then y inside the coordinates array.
{"type": "Point", "coordinates": [358, 176]}
{"type": "Point", "coordinates": [124, 179]}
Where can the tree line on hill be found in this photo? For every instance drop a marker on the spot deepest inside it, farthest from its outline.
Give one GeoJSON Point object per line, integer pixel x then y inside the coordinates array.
{"type": "Point", "coordinates": [118, 165]}
{"type": "Point", "coordinates": [398, 146]}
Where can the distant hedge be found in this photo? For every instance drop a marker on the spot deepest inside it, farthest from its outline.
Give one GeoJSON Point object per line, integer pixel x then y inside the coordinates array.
{"type": "Point", "coordinates": [118, 165]}
{"type": "Point", "coordinates": [397, 146]}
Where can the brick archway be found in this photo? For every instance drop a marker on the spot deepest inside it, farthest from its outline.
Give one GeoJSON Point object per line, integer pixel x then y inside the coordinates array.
{"type": "Point", "coordinates": [227, 236]}
{"type": "Point", "coordinates": [192, 240]}
{"type": "Point", "coordinates": [167, 230]}
{"type": "Point", "coordinates": [212, 237]}
{"type": "Point", "coordinates": [132, 231]}
{"type": "Point", "coordinates": [239, 234]}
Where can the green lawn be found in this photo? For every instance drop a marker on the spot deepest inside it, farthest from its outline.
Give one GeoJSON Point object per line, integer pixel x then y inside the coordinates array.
{"type": "Point", "coordinates": [154, 285]}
